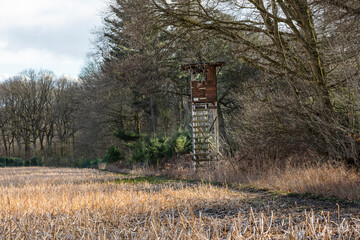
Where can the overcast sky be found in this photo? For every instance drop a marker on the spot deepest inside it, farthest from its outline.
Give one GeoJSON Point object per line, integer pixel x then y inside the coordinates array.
{"type": "Point", "coordinates": [46, 34]}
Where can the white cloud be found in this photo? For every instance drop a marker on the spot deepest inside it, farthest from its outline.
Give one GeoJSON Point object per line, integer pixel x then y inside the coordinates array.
{"type": "Point", "coordinates": [48, 34]}
{"type": "Point", "coordinates": [3, 44]}
{"type": "Point", "coordinates": [54, 13]}
{"type": "Point", "coordinates": [24, 56]}
{"type": "Point", "coordinates": [17, 61]}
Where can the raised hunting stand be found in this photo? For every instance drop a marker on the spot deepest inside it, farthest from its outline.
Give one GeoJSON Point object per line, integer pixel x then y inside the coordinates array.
{"type": "Point", "coordinates": [204, 123]}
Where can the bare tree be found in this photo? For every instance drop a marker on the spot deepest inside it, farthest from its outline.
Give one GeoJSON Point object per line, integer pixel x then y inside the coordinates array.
{"type": "Point", "coordinates": [64, 113]}
{"type": "Point", "coordinates": [288, 41]}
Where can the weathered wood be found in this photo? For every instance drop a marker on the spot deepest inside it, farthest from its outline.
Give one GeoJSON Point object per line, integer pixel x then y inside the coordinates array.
{"type": "Point", "coordinates": [204, 111]}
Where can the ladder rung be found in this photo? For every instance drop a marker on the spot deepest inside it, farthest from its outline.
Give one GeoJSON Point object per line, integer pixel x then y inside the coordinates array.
{"type": "Point", "coordinates": [201, 137]}
{"type": "Point", "coordinates": [202, 143]}
{"type": "Point", "coordinates": [201, 110]}
{"type": "Point", "coordinates": [201, 154]}
{"type": "Point", "coordinates": [201, 149]}
{"type": "Point", "coordinates": [198, 121]}
{"type": "Point", "coordinates": [202, 115]}
{"type": "Point", "coordinates": [205, 126]}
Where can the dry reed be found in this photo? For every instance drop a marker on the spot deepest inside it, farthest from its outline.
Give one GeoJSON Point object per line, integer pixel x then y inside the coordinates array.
{"type": "Point", "coordinates": [301, 176]}
{"type": "Point", "coordinates": [43, 203]}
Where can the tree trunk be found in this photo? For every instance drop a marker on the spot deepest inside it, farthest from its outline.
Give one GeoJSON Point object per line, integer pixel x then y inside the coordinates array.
{"type": "Point", "coordinates": [27, 150]}
{"type": "Point", "coordinates": [42, 147]}
{"type": "Point", "coordinates": [5, 144]}
{"type": "Point", "coordinates": [34, 148]}
{"type": "Point", "coordinates": [12, 144]}
{"type": "Point", "coordinates": [222, 131]}
{"type": "Point", "coordinates": [18, 142]}
{"type": "Point", "coordinates": [153, 114]}
{"type": "Point", "coordinates": [138, 123]}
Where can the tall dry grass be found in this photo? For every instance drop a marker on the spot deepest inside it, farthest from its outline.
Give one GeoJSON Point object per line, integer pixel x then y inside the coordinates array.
{"type": "Point", "coordinates": [43, 203]}
{"type": "Point", "coordinates": [321, 179]}
{"type": "Point", "coordinates": [300, 174]}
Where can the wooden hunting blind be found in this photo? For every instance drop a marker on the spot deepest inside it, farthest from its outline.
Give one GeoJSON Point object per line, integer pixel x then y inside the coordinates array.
{"type": "Point", "coordinates": [204, 119]}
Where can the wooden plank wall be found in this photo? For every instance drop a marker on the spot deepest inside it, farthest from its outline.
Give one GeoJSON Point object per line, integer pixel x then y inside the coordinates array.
{"type": "Point", "coordinates": [205, 91]}
{"type": "Point", "coordinates": [210, 94]}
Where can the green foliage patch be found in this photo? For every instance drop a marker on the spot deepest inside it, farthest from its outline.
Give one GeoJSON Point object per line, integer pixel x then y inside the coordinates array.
{"type": "Point", "coordinates": [11, 162]}
{"type": "Point", "coordinates": [89, 163]}
{"type": "Point", "coordinates": [113, 155]}
{"type": "Point", "coordinates": [35, 161]}
{"type": "Point", "coordinates": [151, 150]}
{"type": "Point", "coordinates": [148, 179]}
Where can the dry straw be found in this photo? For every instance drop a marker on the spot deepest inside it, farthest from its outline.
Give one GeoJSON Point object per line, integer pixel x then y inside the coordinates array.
{"type": "Point", "coordinates": [43, 203]}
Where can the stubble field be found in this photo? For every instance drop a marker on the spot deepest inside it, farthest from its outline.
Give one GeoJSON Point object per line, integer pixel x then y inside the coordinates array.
{"type": "Point", "coordinates": [45, 203]}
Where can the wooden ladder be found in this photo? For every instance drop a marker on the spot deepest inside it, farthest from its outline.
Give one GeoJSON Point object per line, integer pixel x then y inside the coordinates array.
{"type": "Point", "coordinates": [201, 134]}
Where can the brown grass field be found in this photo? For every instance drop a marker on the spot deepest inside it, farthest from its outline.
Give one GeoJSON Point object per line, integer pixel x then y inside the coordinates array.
{"type": "Point", "coordinates": [46, 203]}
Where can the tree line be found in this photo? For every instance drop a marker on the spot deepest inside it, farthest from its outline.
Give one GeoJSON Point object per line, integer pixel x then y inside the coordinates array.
{"type": "Point", "coordinates": [290, 83]}
{"type": "Point", "coordinates": [37, 115]}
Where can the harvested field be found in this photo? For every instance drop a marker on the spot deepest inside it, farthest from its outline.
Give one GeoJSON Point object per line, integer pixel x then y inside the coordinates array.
{"type": "Point", "coordinates": [45, 203]}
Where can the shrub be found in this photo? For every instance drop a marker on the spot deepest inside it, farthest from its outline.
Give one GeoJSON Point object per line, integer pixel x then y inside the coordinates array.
{"type": "Point", "coordinates": [19, 162]}
{"type": "Point", "coordinates": [155, 150]}
{"type": "Point", "coordinates": [91, 163]}
{"type": "Point", "coordinates": [35, 161]}
{"type": "Point", "coordinates": [2, 162]}
{"type": "Point", "coordinates": [14, 162]}
{"type": "Point", "coordinates": [113, 155]}
{"type": "Point", "coordinates": [148, 150]}
{"type": "Point", "coordinates": [139, 151]}
{"type": "Point", "coordinates": [151, 150]}
{"type": "Point", "coordinates": [179, 143]}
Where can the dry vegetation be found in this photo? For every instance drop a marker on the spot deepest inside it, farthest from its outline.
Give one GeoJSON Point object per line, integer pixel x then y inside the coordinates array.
{"type": "Point", "coordinates": [325, 179]}
{"type": "Point", "coordinates": [43, 203]}
{"type": "Point", "coordinates": [300, 174]}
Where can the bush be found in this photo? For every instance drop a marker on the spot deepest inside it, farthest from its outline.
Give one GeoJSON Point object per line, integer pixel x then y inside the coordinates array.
{"type": "Point", "coordinates": [35, 161]}
{"type": "Point", "coordinates": [19, 162]}
{"type": "Point", "coordinates": [151, 150]}
{"type": "Point", "coordinates": [155, 150]}
{"type": "Point", "coordinates": [113, 155]}
{"type": "Point", "coordinates": [91, 163]}
{"type": "Point", "coordinates": [2, 162]}
{"type": "Point", "coordinates": [14, 162]}
{"type": "Point", "coordinates": [179, 143]}
{"type": "Point", "coordinates": [139, 151]}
